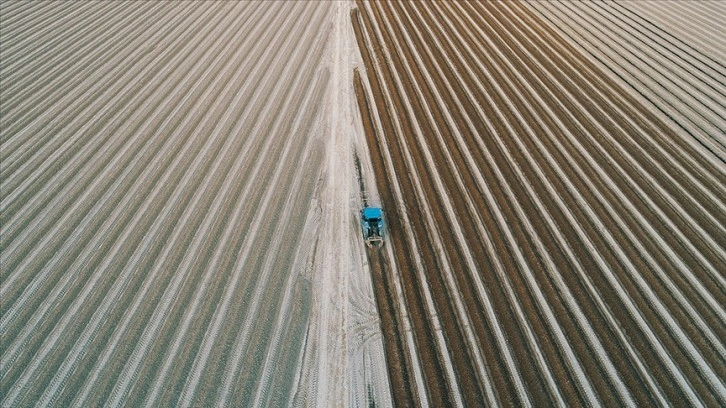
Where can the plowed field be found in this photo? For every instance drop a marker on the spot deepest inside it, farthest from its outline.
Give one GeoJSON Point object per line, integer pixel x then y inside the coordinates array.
{"type": "Point", "coordinates": [555, 239]}
{"type": "Point", "coordinates": [176, 219]}
{"type": "Point", "coordinates": [180, 186]}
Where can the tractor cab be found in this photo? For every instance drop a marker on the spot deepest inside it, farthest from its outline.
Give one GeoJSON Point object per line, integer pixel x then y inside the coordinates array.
{"type": "Point", "coordinates": [373, 226]}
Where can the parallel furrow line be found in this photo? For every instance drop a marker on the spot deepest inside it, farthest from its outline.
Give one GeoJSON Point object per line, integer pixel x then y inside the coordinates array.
{"type": "Point", "coordinates": [34, 73]}
{"type": "Point", "coordinates": [669, 49]}
{"type": "Point", "coordinates": [473, 212]}
{"type": "Point", "coordinates": [182, 204]}
{"type": "Point", "coordinates": [667, 252]}
{"type": "Point", "coordinates": [29, 371]}
{"type": "Point", "coordinates": [42, 222]}
{"type": "Point", "coordinates": [39, 27]}
{"type": "Point", "coordinates": [209, 192]}
{"type": "Point", "coordinates": [679, 27]}
{"type": "Point", "coordinates": [401, 114]}
{"type": "Point", "coordinates": [247, 346]}
{"type": "Point", "coordinates": [693, 133]}
{"type": "Point", "coordinates": [685, 343]}
{"type": "Point", "coordinates": [34, 144]}
{"type": "Point", "coordinates": [622, 121]}
{"type": "Point", "coordinates": [655, 75]}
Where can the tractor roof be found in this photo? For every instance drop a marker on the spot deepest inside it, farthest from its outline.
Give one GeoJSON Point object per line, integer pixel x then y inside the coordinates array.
{"type": "Point", "coordinates": [372, 212]}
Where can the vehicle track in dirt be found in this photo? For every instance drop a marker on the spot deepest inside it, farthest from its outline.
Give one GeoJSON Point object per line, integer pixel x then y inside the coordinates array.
{"type": "Point", "coordinates": [601, 226]}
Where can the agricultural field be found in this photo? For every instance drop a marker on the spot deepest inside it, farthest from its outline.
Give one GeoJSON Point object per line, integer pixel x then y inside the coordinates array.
{"type": "Point", "coordinates": [180, 185]}
{"type": "Point", "coordinates": [178, 210]}
{"type": "Point", "coordinates": [555, 179]}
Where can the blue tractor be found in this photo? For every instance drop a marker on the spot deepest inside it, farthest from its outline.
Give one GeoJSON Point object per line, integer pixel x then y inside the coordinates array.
{"type": "Point", "coordinates": [373, 225]}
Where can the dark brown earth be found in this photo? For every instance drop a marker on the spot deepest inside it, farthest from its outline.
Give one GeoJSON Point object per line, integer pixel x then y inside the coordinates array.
{"type": "Point", "coordinates": [569, 200]}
